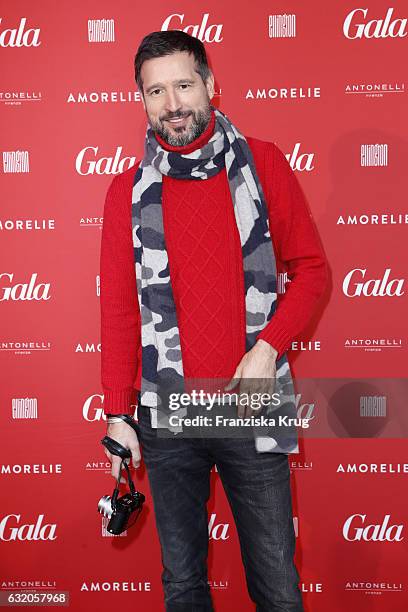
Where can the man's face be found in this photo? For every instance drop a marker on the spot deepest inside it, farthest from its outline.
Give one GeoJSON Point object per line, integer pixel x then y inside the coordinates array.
{"type": "Point", "coordinates": [176, 101]}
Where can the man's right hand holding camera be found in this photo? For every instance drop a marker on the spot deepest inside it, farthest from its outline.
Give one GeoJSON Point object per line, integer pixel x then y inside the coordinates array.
{"type": "Point", "coordinates": [125, 435]}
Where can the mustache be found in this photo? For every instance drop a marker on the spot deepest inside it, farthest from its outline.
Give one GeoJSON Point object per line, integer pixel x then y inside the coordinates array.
{"type": "Point", "coordinates": [176, 116]}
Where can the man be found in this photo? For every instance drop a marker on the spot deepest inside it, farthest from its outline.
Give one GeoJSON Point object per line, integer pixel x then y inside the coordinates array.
{"type": "Point", "coordinates": [204, 255]}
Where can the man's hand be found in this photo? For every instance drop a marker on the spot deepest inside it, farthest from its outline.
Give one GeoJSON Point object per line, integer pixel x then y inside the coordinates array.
{"type": "Point", "coordinates": [259, 362]}
{"type": "Point", "coordinates": [125, 435]}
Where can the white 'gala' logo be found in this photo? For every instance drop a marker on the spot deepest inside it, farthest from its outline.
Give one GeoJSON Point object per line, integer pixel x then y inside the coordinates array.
{"type": "Point", "coordinates": [103, 165]}
{"type": "Point", "coordinates": [217, 531]}
{"type": "Point", "coordinates": [92, 412]}
{"type": "Point", "coordinates": [202, 32]}
{"type": "Point", "coordinates": [300, 161]}
{"type": "Point", "coordinates": [27, 531]}
{"type": "Point", "coordinates": [377, 287]}
{"type": "Point", "coordinates": [376, 28]}
{"type": "Point", "coordinates": [304, 411]}
{"type": "Point", "coordinates": [24, 291]}
{"type": "Point", "coordinates": [353, 531]}
{"type": "Point", "coordinates": [13, 37]}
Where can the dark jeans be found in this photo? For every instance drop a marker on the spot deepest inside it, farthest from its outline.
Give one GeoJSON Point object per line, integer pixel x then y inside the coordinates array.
{"type": "Point", "coordinates": [258, 490]}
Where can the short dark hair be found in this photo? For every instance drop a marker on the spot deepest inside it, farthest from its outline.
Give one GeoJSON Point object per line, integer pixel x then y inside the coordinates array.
{"type": "Point", "coordinates": [159, 44]}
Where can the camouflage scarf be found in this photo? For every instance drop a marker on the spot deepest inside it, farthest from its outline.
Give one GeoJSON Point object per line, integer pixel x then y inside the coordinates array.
{"type": "Point", "coordinates": [161, 351]}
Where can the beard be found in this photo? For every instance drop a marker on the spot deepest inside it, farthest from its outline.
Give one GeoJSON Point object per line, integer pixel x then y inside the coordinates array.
{"type": "Point", "coordinates": [182, 136]}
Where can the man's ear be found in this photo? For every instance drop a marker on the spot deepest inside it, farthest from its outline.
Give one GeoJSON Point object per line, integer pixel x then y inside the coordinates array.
{"type": "Point", "coordinates": [210, 85]}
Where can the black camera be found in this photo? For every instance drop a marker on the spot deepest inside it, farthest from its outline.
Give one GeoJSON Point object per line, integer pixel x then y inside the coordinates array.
{"type": "Point", "coordinates": [122, 511]}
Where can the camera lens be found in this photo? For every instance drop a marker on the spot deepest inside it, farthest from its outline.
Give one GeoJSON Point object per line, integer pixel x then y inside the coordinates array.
{"type": "Point", "coordinates": [105, 506]}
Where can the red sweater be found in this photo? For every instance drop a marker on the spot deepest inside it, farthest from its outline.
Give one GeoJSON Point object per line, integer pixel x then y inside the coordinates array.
{"type": "Point", "coordinates": [205, 261]}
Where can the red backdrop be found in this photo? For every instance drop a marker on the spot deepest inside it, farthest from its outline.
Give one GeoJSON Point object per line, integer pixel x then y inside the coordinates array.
{"type": "Point", "coordinates": [326, 83]}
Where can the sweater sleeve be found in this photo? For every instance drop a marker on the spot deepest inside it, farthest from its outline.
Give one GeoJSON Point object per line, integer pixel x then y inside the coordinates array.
{"type": "Point", "coordinates": [120, 314]}
{"type": "Point", "coordinates": [297, 246]}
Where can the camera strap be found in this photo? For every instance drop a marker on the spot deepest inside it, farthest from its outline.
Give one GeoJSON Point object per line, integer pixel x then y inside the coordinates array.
{"type": "Point", "coordinates": [113, 446]}
{"type": "Point", "coordinates": [118, 449]}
